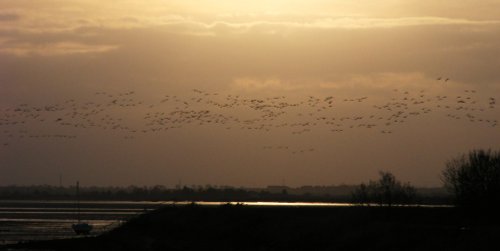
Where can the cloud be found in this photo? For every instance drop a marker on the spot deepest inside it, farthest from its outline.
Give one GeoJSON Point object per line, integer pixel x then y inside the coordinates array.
{"type": "Point", "coordinates": [52, 49]}
{"type": "Point", "coordinates": [52, 19]}
{"type": "Point", "coordinates": [8, 16]}
{"type": "Point", "coordinates": [267, 84]}
{"type": "Point", "coordinates": [345, 23]}
{"type": "Point", "coordinates": [287, 24]}
{"type": "Point", "coordinates": [348, 83]}
{"type": "Point", "coordinates": [77, 21]}
{"type": "Point", "coordinates": [383, 80]}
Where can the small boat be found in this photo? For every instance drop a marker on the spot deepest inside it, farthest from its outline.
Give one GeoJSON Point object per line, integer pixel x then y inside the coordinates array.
{"type": "Point", "coordinates": [80, 227]}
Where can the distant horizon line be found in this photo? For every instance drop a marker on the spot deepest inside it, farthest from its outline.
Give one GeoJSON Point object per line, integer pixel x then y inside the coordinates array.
{"type": "Point", "coordinates": [202, 186]}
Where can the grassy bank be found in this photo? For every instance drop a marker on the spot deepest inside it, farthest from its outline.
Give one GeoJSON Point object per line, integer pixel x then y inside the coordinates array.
{"type": "Point", "coordinates": [193, 227]}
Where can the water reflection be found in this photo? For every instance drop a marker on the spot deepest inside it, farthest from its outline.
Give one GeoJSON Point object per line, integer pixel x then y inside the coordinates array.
{"type": "Point", "coordinates": [42, 220]}
{"type": "Point", "coordinates": [296, 204]}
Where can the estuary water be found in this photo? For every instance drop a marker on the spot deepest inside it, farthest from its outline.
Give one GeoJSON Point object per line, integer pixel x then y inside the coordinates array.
{"type": "Point", "coordinates": [43, 220]}
{"type": "Point", "coordinates": [22, 220]}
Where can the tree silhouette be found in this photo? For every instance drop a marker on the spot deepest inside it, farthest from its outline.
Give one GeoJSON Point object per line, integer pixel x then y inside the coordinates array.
{"type": "Point", "coordinates": [474, 179]}
{"type": "Point", "coordinates": [385, 191]}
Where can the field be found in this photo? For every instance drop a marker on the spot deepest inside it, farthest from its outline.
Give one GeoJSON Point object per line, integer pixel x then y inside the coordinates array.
{"type": "Point", "coordinates": [236, 227]}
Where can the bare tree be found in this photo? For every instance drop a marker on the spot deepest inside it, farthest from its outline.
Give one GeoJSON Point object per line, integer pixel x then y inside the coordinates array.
{"type": "Point", "coordinates": [385, 191]}
{"type": "Point", "coordinates": [474, 178]}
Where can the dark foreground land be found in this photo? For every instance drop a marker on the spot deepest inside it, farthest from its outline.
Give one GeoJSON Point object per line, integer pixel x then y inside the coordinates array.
{"type": "Point", "coordinates": [236, 227]}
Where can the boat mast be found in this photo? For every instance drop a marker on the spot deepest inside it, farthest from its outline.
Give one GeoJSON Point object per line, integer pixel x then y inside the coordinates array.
{"type": "Point", "coordinates": [78, 199]}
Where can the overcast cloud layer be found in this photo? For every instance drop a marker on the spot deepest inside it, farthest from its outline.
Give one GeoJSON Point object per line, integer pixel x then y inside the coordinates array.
{"type": "Point", "coordinates": [54, 51]}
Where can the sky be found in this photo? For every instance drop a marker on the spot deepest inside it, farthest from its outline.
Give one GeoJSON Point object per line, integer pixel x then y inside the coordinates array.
{"type": "Point", "coordinates": [244, 93]}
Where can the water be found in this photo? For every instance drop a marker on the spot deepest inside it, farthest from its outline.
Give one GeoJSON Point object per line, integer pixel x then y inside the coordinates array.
{"type": "Point", "coordinates": [43, 220]}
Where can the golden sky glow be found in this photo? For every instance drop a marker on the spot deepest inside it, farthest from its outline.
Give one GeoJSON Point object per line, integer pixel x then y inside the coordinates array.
{"type": "Point", "coordinates": [55, 51]}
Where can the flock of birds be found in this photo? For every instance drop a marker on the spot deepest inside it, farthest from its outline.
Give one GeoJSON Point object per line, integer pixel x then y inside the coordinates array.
{"type": "Point", "coordinates": [129, 117]}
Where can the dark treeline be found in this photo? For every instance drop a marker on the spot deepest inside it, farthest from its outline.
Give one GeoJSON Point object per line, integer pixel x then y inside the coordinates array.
{"type": "Point", "coordinates": [342, 193]}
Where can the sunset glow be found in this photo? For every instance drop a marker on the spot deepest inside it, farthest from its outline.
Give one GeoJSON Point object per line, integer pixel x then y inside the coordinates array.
{"type": "Point", "coordinates": [244, 93]}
